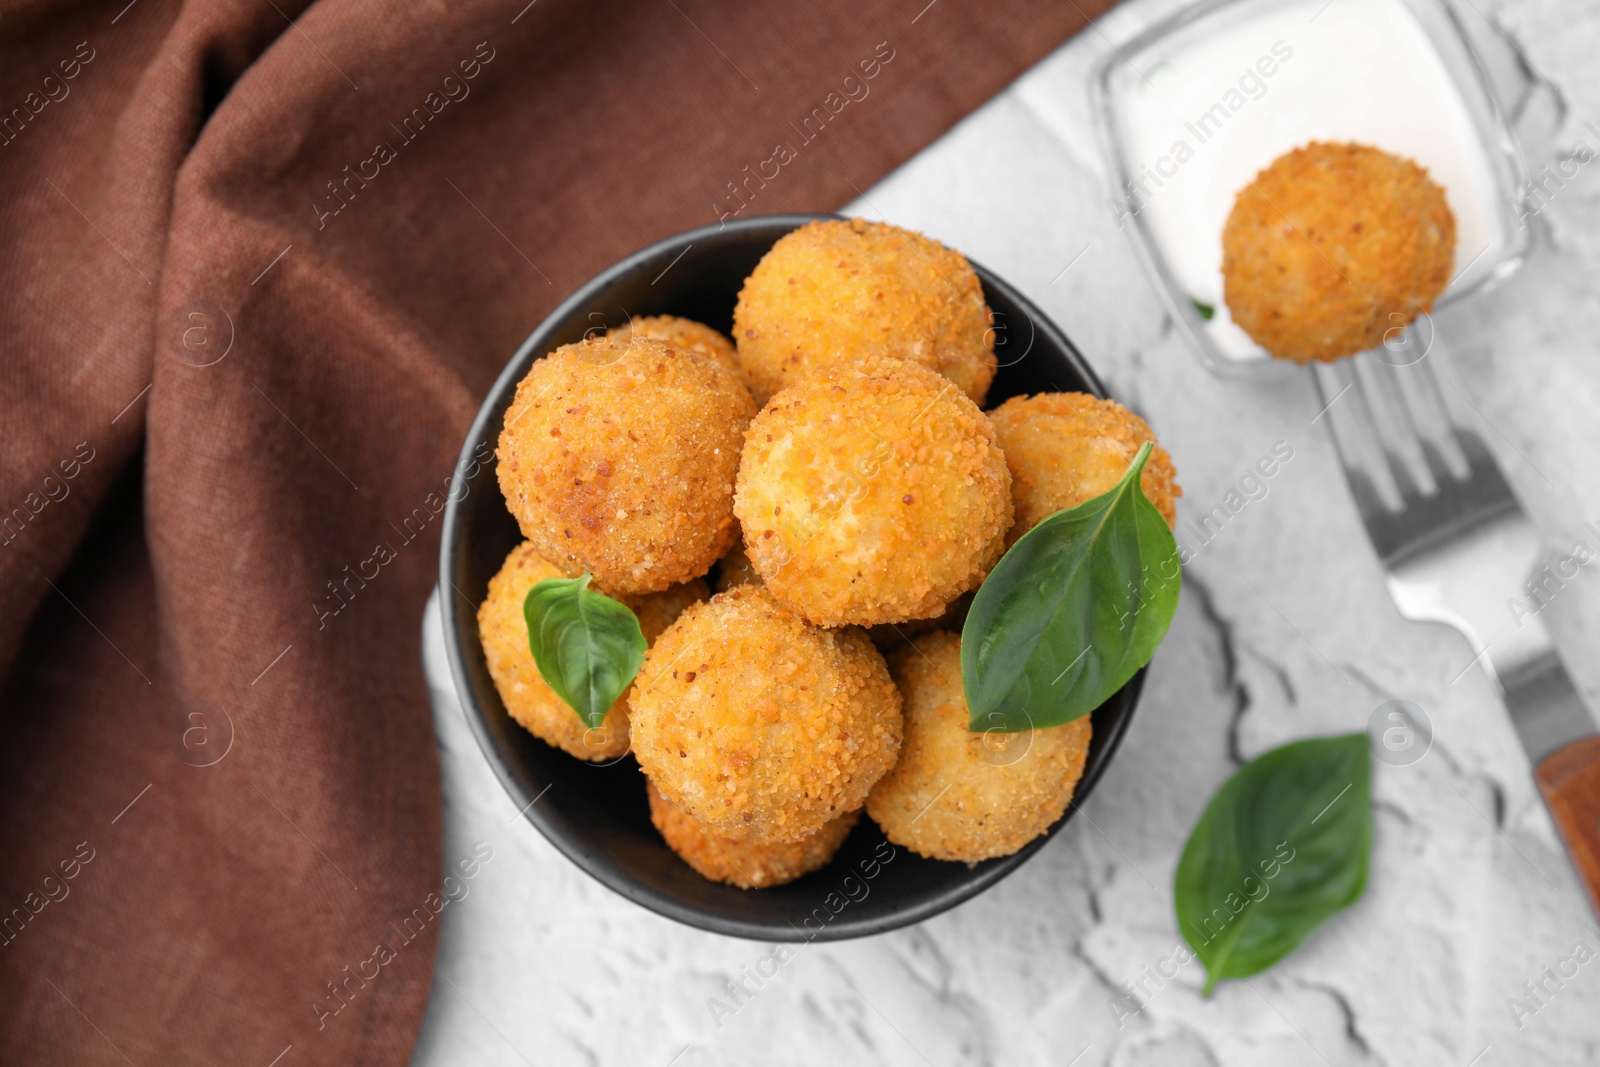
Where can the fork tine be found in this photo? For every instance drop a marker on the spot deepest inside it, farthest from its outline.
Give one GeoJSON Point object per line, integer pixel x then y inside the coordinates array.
{"type": "Point", "coordinates": [1369, 501]}
{"type": "Point", "coordinates": [1481, 466]}
{"type": "Point", "coordinates": [1405, 484]}
{"type": "Point", "coordinates": [1353, 442]}
{"type": "Point", "coordinates": [1428, 378]}
{"type": "Point", "coordinates": [1423, 402]}
{"type": "Point", "coordinates": [1333, 382]}
{"type": "Point", "coordinates": [1442, 474]}
{"type": "Point", "coordinates": [1398, 384]}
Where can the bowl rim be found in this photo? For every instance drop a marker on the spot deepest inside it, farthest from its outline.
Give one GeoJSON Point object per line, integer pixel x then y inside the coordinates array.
{"type": "Point", "coordinates": [453, 543]}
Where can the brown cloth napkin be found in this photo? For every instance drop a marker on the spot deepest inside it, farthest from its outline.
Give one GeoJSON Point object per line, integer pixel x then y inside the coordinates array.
{"type": "Point", "coordinates": [258, 262]}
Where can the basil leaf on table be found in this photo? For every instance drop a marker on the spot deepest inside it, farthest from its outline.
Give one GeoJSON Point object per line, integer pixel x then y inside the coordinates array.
{"type": "Point", "coordinates": [1072, 611]}
{"type": "Point", "coordinates": [1283, 845]}
{"type": "Point", "coordinates": [587, 646]}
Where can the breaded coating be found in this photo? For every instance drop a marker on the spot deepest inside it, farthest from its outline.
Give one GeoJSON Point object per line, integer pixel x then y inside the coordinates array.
{"type": "Point", "coordinates": [848, 290]}
{"type": "Point", "coordinates": [1333, 246]}
{"type": "Point", "coordinates": [889, 636]}
{"type": "Point", "coordinates": [735, 569]}
{"type": "Point", "coordinates": [872, 492]}
{"type": "Point", "coordinates": [1066, 448]}
{"type": "Point", "coordinates": [681, 333]}
{"type": "Point", "coordinates": [962, 795]}
{"type": "Point", "coordinates": [617, 458]}
{"type": "Point", "coordinates": [750, 864]}
{"type": "Point", "coordinates": [503, 631]}
{"type": "Point", "coordinates": [759, 725]}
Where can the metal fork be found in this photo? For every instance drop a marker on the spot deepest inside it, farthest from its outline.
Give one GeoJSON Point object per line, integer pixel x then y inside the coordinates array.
{"type": "Point", "coordinates": [1457, 548]}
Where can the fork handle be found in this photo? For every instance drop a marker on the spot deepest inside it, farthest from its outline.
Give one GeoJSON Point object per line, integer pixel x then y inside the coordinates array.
{"type": "Point", "coordinates": [1557, 731]}
{"type": "Point", "coordinates": [1569, 778]}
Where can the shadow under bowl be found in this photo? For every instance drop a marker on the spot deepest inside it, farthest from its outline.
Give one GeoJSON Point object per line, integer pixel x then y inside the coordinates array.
{"type": "Point", "coordinates": [597, 815]}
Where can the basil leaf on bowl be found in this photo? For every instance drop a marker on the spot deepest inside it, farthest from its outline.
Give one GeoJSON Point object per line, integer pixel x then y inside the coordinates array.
{"type": "Point", "coordinates": [587, 646]}
{"type": "Point", "coordinates": [1206, 310]}
{"type": "Point", "coordinates": [1283, 845]}
{"type": "Point", "coordinates": [1072, 611]}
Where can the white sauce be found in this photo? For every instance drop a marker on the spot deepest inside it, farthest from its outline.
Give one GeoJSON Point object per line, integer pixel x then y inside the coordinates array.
{"type": "Point", "coordinates": [1363, 71]}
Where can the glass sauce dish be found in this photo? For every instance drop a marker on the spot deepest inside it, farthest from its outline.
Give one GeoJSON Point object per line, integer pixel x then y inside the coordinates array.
{"type": "Point", "coordinates": [1195, 106]}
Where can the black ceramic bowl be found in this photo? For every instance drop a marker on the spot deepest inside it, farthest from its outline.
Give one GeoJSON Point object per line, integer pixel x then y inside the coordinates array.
{"type": "Point", "coordinates": [597, 814]}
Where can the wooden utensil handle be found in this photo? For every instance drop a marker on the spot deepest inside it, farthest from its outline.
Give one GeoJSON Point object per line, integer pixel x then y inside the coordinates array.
{"type": "Point", "coordinates": [1569, 778]}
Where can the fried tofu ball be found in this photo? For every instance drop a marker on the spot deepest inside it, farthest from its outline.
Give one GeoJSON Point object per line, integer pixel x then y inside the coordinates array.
{"type": "Point", "coordinates": [1066, 448]}
{"type": "Point", "coordinates": [757, 724]}
{"type": "Point", "coordinates": [847, 290]}
{"type": "Point", "coordinates": [618, 459]}
{"type": "Point", "coordinates": [503, 631]}
{"type": "Point", "coordinates": [872, 492]}
{"type": "Point", "coordinates": [889, 636]}
{"type": "Point", "coordinates": [747, 864]}
{"type": "Point", "coordinates": [957, 794]}
{"type": "Point", "coordinates": [735, 569]}
{"type": "Point", "coordinates": [681, 333]}
{"type": "Point", "coordinates": [1333, 246]}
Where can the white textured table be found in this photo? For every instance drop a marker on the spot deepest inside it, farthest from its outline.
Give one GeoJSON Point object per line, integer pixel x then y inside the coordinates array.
{"type": "Point", "coordinates": [1470, 896]}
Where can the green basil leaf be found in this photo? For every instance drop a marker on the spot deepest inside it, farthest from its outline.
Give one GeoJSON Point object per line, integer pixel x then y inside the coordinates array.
{"type": "Point", "coordinates": [1071, 612]}
{"type": "Point", "coordinates": [587, 646]}
{"type": "Point", "coordinates": [1283, 845]}
{"type": "Point", "coordinates": [1206, 310]}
